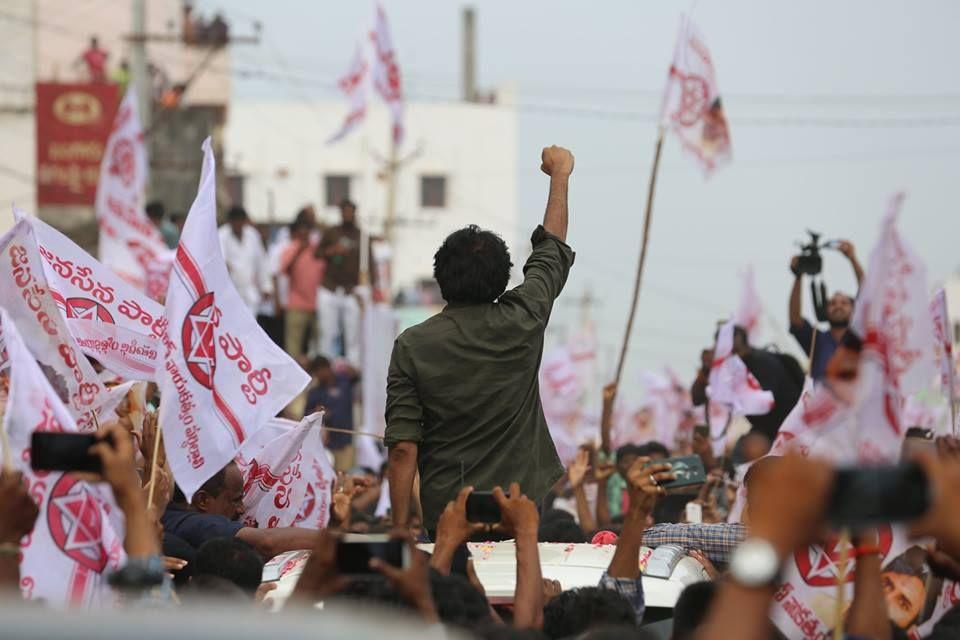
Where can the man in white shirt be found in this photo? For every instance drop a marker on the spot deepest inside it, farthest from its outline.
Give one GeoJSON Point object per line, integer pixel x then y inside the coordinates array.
{"type": "Point", "coordinates": [245, 257]}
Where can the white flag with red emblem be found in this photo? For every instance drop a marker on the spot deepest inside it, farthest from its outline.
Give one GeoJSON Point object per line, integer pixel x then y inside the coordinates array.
{"type": "Point", "coordinates": [223, 376]}
{"type": "Point", "coordinates": [26, 294]}
{"type": "Point", "coordinates": [110, 319]}
{"type": "Point", "coordinates": [73, 545]}
{"type": "Point", "coordinates": [129, 243]}
{"type": "Point", "coordinates": [276, 473]}
{"type": "Point", "coordinates": [315, 507]}
{"type": "Point", "coordinates": [750, 309]}
{"type": "Point", "coordinates": [374, 65]}
{"type": "Point", "coordinates": [731, 383]}
{"type": "Point", "coordinates": [691, 102]}
{"type": "Point", "coordinates": [386, 72]}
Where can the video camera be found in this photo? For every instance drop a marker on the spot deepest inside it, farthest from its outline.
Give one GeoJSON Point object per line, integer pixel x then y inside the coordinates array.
{"type": "Point", "coordinates": [810, 262]}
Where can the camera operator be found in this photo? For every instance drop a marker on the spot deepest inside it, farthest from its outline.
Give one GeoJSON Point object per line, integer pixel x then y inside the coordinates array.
{"type": "Point", "coordinates": [839, 310]}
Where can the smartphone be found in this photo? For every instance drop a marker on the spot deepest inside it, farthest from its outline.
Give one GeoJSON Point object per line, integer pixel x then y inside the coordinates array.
{"type": "Point", "coordinates": [864, 496]}
{"type": "Point", "coordinates": [63, 452]}
{"type": "Point", "coordinates": [355, 551]}
{"type": "Point", "coordinates": [482, 507]}
{"type": "Point", "coordinates": [688, 470]}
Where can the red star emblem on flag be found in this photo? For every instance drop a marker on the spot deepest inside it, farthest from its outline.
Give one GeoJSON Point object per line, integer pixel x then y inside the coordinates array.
{"type": "Point", "coordinates": [199, 345]}
{"type": "Point", "coordinates": [75, 522]}
{"type": "Point", "coordinates": [86, 309]}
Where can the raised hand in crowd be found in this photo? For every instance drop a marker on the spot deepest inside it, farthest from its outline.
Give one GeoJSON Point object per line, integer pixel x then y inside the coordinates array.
{"type": "Point", "coordinates": [412, 583]}
{"type": "Point", "coordinates": [519, 518]}
{"type": "Point", "coordinates": [320, 577]}
{"type": "Point", "coordinates": [118, 469]}
{"type": "Point", "coordinates": [453, 530]}
{"type": "Point", "coordinates": [18, 513]}
{"type": "Point", "coordinates": [942, 521]}
{"type": "Point", "coordinates": [346, 488]}
{"type": "Point", "coordinates": [577, 474]}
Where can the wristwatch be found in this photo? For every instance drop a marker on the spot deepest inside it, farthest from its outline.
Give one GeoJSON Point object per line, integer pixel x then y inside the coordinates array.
{"type": "Point", "coordinates": [755, 563]}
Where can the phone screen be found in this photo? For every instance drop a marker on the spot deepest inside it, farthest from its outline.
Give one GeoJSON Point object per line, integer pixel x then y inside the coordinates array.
{"type": "Point", "coordinates": [481, 507]}
{"type": "Point", "coordinates": [63, 452]}
{"type": "Point", "coordinates": [355, 552]}
{"type": "Point", "coordinates": [688, 470]}
{"type": "Point", "coordinates": [873, 495]}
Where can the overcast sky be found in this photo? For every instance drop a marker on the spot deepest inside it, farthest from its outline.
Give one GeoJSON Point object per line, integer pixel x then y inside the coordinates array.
{"type": "Point", "coordinates": [833, 106]}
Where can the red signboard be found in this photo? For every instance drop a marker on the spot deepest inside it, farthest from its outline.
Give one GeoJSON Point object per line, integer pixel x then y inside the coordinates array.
{"type": "Point", "coordinates": [73, 124]}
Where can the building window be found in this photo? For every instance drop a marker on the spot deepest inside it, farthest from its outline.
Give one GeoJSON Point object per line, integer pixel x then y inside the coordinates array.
{"type": "Point", "coordinates": [336, 189]}
{"type": "Point", "coordinates": [433, 191]}
{"type": "Point", "coordinates": [956, 332]}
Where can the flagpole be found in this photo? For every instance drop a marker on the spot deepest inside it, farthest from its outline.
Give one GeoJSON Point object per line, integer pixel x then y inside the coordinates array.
{"type": "Point", "coordinates": [153, 458]}
{"type": "Point", "coordinates": [643, 253]}
{"type": "Point", "coordinates": [841, 585]}
{"type": "Point", "coordinates": [5, 443]}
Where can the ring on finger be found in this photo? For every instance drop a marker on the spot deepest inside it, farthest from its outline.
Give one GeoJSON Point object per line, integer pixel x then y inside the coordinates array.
{"type": "Point", "coordinates": [653, 480]}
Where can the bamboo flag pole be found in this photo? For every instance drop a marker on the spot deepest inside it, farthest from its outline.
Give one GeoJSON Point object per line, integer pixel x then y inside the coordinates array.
{"type": "Point", "coordinates": [356, 433]}
{"type": "Point", "coordinates": [153, 459]}
{"type": "Point", "coordinates": [5, 443]}
{"type": "Point", "coordinates": [643, 253]}
{"type": "Point", "coordinates": [842, 572]}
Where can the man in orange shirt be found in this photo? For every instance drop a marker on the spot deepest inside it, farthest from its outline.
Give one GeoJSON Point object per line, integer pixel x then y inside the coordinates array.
{"type": "Point", "coordinates": [304, 272]}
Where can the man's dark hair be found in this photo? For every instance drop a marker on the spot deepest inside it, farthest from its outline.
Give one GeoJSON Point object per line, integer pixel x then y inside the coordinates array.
{"type": "Point", "coordinates": [629, 449]}
{"type": "Point", "coordinates": [213, 486]}
{"type": "Point", "coordinates": [297, 224]}
{"type": "Point", "coordinates": [177, 547]}
{"type": "Point", "coordinates": [232, 560]}
{"type": "Point", "coordinates": [577, 610]}
{"type": "Point", "coordinates": [319, 362]}
{"type": "Point", "coordinates": [204, 588]}
{"type": "Point", "coordinates": [556, 515]}
{"type": "Point", "coordinates": [302, 215]}
{"type": "Point", "coordinates": [236, 213]}
{"type": "Point", "coordinates": [653, 448]}
{"type": "Point", "coordinates": [472, 266]}
{"type": "Point", "coordinates": [561, 531]}
{"type": "Point", "coordinates": [347, 202]}
{"type": "Point", "coordinates": [692, 608]}
{"type": "Point", "coordinates": [155, 210]}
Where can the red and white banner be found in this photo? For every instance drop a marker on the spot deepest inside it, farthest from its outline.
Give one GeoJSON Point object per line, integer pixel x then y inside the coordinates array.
{"type": "Point", "coordinates": [276, 474]}
{"type": "Point", "coordinates": [27, 297]}
{"type": "Point", "coordinates": [731, 383]}
{"type": "Point", "coordinates": [110, 319]}
{"type": "Point", "coordinates": [374, 65]}
{"type": "Point", "coordinates": [691, 101]}
{"type": "Point", "coordinates": [129, 243]}
{"type": "Point", "coordinates": [64, 561]}
{"type": "Point", "coordinates": [223, 377]}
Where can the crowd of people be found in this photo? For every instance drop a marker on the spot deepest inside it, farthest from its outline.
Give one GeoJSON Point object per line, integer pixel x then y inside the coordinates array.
{"type": "Point", "coordinates": [464, 416]}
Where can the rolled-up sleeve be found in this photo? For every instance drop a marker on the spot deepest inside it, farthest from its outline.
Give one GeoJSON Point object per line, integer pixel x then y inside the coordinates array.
{"type": "Point", "coordinates": [404, 414]}
{"type": "Point", "coordinates": [544, 274]}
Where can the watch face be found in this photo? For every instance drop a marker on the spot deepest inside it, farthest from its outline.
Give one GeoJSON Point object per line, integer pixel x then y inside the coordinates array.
{"type": "Point", "coordinates": [755, 563]}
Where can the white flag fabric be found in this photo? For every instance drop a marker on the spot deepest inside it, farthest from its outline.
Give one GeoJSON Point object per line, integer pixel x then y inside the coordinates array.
{"type": "Point", "coordinates": [276, 475]}
{"type": "Point", "coordinates": [691, 101]}
{"type": "Point", "coordinates": [892, 313]}
{"type": "Point", "coordinates": [315, 507]}
{"type": "Point", "coordinates": [374, 65]}
{"type": "Point", "coordinates": [223, 376]}
{"type": "Point", "coordinates": [129, 243]}
{"type": "Point", "coordinates": [386, 72]}
{"type": "Point", "coordinates": [943, 344]}
{"type": "Point", "coordinates": [750, 309]}
{"type": "Point", "coordinates": [111, 320]}
{"type": "Point", "coordinates": [27, 297]}
{"type": "Point", "coordinates": [731, 383]}
{"type": "Point", "coordinates": [354, 86]}
{"type": "Point", "coordinates": [73, 545]}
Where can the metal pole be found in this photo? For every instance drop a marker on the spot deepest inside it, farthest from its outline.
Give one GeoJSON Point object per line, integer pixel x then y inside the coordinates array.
{"type": "Point", "coordinates": [469, 55]}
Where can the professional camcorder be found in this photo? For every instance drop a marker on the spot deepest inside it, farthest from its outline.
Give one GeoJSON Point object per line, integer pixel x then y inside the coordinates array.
{"type": "Point", "coordinates": [810, 263]}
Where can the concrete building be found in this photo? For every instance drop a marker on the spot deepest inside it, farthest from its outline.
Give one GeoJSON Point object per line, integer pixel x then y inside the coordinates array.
{"type": "Point", "coordinates": [458, 167]}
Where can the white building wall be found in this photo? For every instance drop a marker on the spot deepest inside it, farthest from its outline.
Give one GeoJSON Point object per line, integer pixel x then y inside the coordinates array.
{"type": "Point", "coordinates": [280, 148]}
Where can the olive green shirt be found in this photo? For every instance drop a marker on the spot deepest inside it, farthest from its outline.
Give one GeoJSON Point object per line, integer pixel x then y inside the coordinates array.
{"type": "Point", "coordinates": [464, 386]}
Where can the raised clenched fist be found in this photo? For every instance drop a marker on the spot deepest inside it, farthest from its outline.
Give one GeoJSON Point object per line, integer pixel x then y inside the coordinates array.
{"type": "Point", "coordinates": [556, 161]}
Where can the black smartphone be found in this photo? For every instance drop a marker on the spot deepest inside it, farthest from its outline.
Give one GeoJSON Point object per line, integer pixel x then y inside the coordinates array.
{"type": "Point", "coordinates": [688, 470]}
{"type": "Point", "coordinates": [864, 496]}
{"type": "Point", "coordinates": [355, 551]}
{"type": "Point", "coordinates": [63, 452]}
{"type": "Point", "coordinates": [482, 507]}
